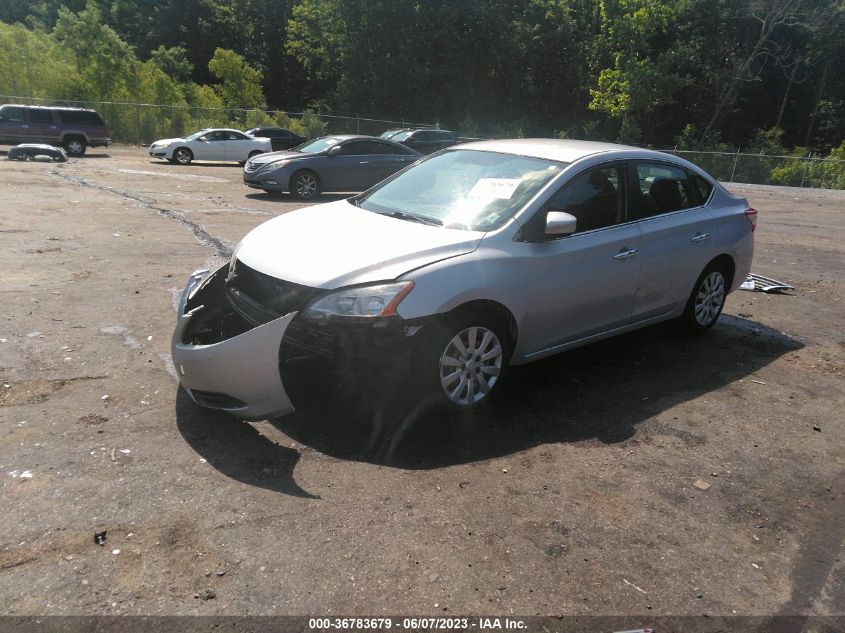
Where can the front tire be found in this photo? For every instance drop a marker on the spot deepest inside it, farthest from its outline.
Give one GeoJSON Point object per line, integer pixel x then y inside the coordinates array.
{"type": "Point", "coordinates": [705, 304]}
{"type": "Point", "coordinates": [466, 361]}
{"type": "Point", "coordinates": [304, 185]}
{"type": "Point", "coordinates": [75, 145]}
{"type": "Point", "coordinates": [183, 156]}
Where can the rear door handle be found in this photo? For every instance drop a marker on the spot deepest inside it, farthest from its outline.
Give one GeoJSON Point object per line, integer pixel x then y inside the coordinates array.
{"type": "Point", "coordinates": [626, 254]}
{"type": "Point", "coordinates": [700, 237]}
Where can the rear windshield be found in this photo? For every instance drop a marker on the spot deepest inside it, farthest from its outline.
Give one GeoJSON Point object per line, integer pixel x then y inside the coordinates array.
{"type": "Point", "coordinates": [80, 117]}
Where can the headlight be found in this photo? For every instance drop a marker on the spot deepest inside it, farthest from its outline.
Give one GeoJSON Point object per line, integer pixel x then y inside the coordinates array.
{"type": "Point", "coordinates": [274, 164]}
{"type": "Point", "coordinates": [367, 302]}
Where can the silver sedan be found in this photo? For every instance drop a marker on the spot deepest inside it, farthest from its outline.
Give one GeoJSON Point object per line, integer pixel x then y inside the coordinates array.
{"type": "Point", "coordinates": [480, 257]}
{"type": "Point", "coordinates": [332, 163]}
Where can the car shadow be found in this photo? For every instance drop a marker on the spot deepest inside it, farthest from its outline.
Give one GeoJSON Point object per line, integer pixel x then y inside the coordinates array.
{"type": "Point", "coordinates": [600, 393]}
{"type": "Point", "coordinates": [281, 195]}
{"type": "Point", "coordinates": [237, 449]}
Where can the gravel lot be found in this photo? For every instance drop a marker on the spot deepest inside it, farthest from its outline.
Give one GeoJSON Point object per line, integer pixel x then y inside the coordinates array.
{"type": "Point", "coordinates": [574, 496]}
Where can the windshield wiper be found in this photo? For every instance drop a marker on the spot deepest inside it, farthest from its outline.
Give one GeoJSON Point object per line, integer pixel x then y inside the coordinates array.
{"type": "Point", "coordinates": [410, 217]}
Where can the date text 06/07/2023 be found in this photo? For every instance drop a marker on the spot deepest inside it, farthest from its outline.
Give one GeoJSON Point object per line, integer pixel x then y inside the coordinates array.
{"type": "Point", "coordinates": [417, 623]}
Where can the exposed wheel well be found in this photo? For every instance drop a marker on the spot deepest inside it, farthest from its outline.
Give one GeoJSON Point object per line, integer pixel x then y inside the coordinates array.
{"type": "Point", "coordinates": [727, 262]}
{"type": "Point", "coordinates": [489, 308]}
{"type": "Point", "coordinates": [73, 135]}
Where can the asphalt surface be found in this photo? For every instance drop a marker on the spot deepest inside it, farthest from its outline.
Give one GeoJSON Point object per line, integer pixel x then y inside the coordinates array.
{"type": "Point", "coordinates": [576, 494]}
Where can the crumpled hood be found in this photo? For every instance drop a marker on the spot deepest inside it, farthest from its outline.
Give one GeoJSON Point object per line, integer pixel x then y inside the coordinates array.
{"type": "Point", "coordinates": [337, 244]}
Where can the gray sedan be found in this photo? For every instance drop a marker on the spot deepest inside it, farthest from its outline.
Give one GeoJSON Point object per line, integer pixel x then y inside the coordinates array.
{"type": "Point", "coordinates": [330, 163]}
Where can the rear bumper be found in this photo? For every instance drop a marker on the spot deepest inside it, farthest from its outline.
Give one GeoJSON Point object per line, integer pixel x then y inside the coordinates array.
{"type": "Point", "coordinates": [238, 373]}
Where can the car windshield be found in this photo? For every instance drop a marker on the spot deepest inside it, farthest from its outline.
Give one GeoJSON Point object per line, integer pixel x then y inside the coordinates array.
{"type": "Point", "coordinates": [401, 136]}
{"type": "Point", "coordinates": [316, 146]}
{"type": "Point", "coordinates": [462, 189]}
{"type": "Point", "coordinates": [389, 133]}
{"type": "Point", "coordinates": [196, 135]}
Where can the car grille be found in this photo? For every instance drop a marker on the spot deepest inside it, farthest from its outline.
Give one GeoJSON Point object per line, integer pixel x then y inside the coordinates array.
{"type": "Point", "coordinates": [260, 298]}
{"type": "Point", "coordinates": [252, 166]}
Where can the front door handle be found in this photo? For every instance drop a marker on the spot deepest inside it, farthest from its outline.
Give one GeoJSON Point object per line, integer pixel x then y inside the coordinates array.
{"type": "Point", "coordinates": [700, 237]}
{"type": "Point", "coordinates": [364, 162]}
{"type": "Point", "coordinates": [626, 254]}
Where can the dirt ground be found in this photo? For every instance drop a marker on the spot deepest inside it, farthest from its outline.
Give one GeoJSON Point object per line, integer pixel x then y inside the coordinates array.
{"type": "Point", "coordinates": [575, 495]}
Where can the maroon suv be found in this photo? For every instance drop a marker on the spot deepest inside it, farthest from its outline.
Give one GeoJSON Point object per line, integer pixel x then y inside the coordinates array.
{"type": "Point", "coordinates": [75, 129]}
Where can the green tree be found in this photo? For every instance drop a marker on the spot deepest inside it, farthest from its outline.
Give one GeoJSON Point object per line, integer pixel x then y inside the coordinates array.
{"type": "Point", "coordinates": [239, 83]}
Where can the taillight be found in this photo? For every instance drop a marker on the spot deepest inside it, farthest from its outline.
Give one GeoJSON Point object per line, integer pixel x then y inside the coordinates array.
{"type": "Point", "coordinates": [751, 214]}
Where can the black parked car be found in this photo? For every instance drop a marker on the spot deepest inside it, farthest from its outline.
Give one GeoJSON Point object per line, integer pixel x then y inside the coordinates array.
{"type": "Point", "coordinates": [280, 138]}
{"type": "Point", "coordinates": [425, 141]}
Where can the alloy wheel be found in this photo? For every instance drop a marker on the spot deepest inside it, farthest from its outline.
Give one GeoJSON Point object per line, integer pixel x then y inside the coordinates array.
{"type": "Point", "coordinates": [710, 299]}
{"type": "Point", "coordinates": [306, 186]}
{"type": "Point", "coordinates": [470, 365]}
{"type": "Point", "coordinates": [183, 157]}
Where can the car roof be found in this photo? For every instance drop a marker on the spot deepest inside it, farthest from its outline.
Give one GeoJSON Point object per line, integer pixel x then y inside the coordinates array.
{"type": "Point", "coordinates": [564, 150]}
{"type": "Point", "coordinates": [360, 137]}
{"type": "Point", "coordinates": [42, 107]}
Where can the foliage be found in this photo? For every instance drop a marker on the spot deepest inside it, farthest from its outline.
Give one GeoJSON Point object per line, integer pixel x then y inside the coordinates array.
{"type": "Point", "coordinates": [691, 73]}
{"type": "Point", "coordinates": [828, 174]}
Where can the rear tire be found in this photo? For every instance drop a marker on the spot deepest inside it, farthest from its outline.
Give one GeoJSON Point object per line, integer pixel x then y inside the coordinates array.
{"type": "Point", "coordinates": [75, 145]}
{"type": "Point", "coordinates": [706, 301]}
{"type": "Point", "coordinates": [465, 360]}
{"type": "Point", "coordinates": [304, 185]}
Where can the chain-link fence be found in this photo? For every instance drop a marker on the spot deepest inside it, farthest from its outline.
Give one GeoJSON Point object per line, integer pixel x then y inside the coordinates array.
{"type": "Point", "coordinates": [767, 169]}
{"type": "Point", "coordinates": [143, 123]}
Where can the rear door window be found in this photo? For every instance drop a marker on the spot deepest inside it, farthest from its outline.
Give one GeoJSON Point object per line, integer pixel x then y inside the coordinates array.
{"type": "Point", "coordinates": [662, 188]}
{"type": "Point", "coordinates": [40, 116]}
{"type": "Point", "coordinates": [80, 117]}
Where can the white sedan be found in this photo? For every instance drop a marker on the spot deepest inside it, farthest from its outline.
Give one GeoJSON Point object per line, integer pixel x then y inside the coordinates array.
{"type": "Point", "coordinates": [211, 144]}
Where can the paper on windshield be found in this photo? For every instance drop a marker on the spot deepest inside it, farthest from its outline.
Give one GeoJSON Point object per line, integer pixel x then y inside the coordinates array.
{"type": "Point", "coordinates": [494, 188]}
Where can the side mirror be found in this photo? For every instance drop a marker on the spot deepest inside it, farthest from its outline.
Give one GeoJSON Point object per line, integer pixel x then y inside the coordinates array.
{"type": "Point", "coordinates": [334, 151]}
{"type": "Point", "coordinates": [204, 139]}
{"type": "Point", "coordinates": [560, 223]}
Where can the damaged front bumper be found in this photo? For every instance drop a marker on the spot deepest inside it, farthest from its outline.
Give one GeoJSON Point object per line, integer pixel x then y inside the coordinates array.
{"type": "Point", "coordinates": [222, 361]}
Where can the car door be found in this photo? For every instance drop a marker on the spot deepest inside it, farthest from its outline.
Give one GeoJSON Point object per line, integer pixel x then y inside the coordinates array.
{"type": "Point", "coordinates": [238, 147]}
{"type": "Point", "coordinates": [210, 146]}
{"type": "Point", "coordinates": [14, 127]}
{"type": "Point", "coordinates": [42, 126]}
{"type": "Point", "coordinates": [387, 159]}
{"type": "Point", "coordinates": [676, 235]}
{"type": "Point", "coordinates": [351, 168]}
{"type": "Point", "coordinates": [585, 283]}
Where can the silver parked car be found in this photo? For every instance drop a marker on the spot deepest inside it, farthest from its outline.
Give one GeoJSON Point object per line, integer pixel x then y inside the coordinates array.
{"type": "Point", "coordinates": [331, 163]}
{"type": "Point", "coordinates": [482, 256]}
